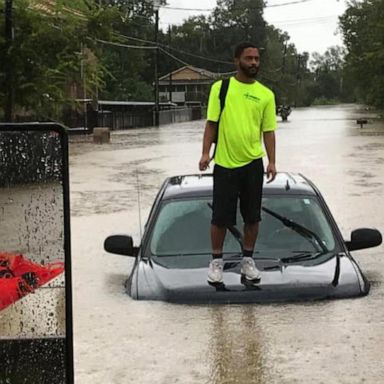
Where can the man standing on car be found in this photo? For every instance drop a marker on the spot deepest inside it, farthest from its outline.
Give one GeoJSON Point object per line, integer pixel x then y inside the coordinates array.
{"type": "Point", "coordinates": [248, 118]}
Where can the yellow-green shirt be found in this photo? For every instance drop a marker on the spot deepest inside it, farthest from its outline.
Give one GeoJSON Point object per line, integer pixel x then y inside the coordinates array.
{"type": "Point", "coordinates": [248, 112]}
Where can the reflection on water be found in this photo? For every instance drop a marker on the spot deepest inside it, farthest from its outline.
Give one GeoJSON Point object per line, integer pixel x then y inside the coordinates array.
{"type": "Point", "coordinates": [235, 346]}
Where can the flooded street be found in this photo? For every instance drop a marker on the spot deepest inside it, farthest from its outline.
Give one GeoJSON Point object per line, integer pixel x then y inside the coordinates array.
{"type": "Point", "coordinates": [119, 340]}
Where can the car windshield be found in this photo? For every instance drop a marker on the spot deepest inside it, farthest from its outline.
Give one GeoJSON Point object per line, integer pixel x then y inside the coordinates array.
{"type": "Point", "coordinates": [182, 227]}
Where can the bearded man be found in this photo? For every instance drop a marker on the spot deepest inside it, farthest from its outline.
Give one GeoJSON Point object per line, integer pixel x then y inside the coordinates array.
{"type": "Point", "coordinates": [247, 120]}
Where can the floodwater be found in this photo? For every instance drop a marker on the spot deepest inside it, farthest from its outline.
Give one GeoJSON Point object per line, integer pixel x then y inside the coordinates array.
{"type": "Point", "coordinates": [119, 340]}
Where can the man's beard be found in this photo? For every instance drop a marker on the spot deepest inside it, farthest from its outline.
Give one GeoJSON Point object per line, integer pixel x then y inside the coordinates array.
{"type": "Point", "coordinates": [250, 72]}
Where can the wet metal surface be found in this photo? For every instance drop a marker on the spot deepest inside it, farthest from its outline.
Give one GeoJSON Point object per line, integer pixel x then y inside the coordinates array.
{"type": "Point", "coordinates": [119, 340]}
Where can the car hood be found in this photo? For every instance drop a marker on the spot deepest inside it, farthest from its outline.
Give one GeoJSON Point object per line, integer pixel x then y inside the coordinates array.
{"type": "Point", "coordinates": [338, 276]}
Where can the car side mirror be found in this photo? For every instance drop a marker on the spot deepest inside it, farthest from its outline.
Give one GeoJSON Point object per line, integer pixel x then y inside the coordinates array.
{"type": "Point", "coordinates": [364, 238]}
{"type": "Point", "coordinates": [120, 244]}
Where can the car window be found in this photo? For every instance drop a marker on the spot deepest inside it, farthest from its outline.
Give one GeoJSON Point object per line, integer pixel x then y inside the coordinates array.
{"type": "Point", "coordinates": [182, 227]}
{"type": "Point", "coordinates": [303, 210]}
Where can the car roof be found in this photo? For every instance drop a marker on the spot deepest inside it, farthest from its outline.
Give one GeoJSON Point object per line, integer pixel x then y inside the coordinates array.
{"type": "Point", "coordinates": [200, 185]}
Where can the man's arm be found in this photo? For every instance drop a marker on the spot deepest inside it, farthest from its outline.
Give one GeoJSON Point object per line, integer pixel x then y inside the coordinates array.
{"type": "Point", "coordinates": [270, 146]}
{"type": "Point", "coordinates": [209, 137]}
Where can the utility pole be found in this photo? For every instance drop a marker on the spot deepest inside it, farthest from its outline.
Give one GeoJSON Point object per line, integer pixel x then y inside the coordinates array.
{"type": "Point", "coordinates": [297, 77]}
{"type": "Point", "coordinates": [156, 6]}
{"type": "Point", "coordinates": [282, 98]}
{"type": "Point", "coordinates": [8, 109]}
{"type": "Point", "coordinates": [284, 57]}
{"type": "Point", "coordinates": [83, 77]}
{"type": "Point", "coordinates": [170, 71]}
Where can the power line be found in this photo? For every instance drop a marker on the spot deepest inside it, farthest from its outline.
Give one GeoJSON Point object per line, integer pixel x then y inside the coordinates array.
{"type": "Point", "coordinates": [304, 21]}
{"type": "Point", "coordinates": [163, 48]}
{"type": "Point", "coordinates": [133, 38]}
{"type": "Point", "coordinates": [287, 3]}
{"type": "Point", "coordinates": [174, 57]}
{"type": "Point", "coordinates": [123, 45]}
{"type": "Point", "coordinates": [189, 9]}
{"type": "Point", "coordinates": [220, 74]}
{"type": "Point", "coordinates": [211, 9]}
{"type": "Point", "coordinates": [190, 65]}
{"type": "Point", "coordinates": [152, 48]}
{"type": "Point", "coordinates": [177, 50]}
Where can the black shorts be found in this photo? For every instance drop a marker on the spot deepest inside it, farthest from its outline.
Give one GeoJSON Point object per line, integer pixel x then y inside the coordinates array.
{"type": "Point", "coordinates": [230, 185]}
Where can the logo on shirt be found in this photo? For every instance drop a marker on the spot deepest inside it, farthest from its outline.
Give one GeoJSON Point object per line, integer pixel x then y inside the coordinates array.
{"type": "Point", "coordinates": [251, 97]}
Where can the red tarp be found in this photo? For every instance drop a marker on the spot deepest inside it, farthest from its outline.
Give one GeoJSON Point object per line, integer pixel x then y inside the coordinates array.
{"type": "Point", "coordinates": [19, 277]}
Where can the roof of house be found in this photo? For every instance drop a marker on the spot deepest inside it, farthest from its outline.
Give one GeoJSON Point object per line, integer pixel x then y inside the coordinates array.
{"type": "Point", "coordinates": [189, 72]}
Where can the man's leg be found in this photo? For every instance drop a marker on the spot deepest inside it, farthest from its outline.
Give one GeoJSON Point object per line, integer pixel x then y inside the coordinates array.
{"type": "Point", "coordinates": [216, 266]}
{"type": "Point", "coordinates": [225, 192]}
{"type": "Point", "coordinates": [250, 236]}
{"type": "Point", "coordinates": [217, 239]}
{"type": "Point", "coordinates": [250, 206]}
{"type": "Point", "coordinates": [248, 266]}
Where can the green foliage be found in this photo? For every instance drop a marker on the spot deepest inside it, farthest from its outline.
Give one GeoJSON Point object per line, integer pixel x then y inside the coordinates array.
{"type": "Point", "coordinates": [56, 55]}
{"type": "Point", "coordinates": [129, 74]}
{"type": "Point", "coordinates": [60, 47]}
{"type": "Point", "coordinates": [46, 59]}
{"type": "Point", "coordinates": [325, 101]}
{"type": "Point", "coordinates": [327, 77]}
{"type": "Point", "coordinates": [362, 26]}
{"type": "Point", "coordinates": [123, 81]}
{"type": "Point", "coordinates": [235, 21]}
{"type": "Point", "coordinates": [215, 36]}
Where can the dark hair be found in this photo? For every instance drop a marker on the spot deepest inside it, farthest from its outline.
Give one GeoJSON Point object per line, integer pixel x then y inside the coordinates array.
{"type": "Point", "coordinates": [240, 48]}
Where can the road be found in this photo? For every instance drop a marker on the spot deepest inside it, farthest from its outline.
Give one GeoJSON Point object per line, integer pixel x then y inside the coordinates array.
{"type": "Point", "coordinates": [119, 340]}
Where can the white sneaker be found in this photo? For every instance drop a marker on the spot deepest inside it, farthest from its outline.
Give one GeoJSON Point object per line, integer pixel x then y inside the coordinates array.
{"type": "Point", "coordinates": [249, 270]}
{"type": "Point", "coordinates": [215, 271]}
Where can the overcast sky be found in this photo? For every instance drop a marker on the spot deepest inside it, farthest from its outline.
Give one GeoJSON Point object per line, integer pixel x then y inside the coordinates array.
{"type": "Point", "coordinates": [311, 24]}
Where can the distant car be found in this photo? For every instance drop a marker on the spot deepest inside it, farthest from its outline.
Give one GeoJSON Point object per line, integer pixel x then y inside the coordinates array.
{"type": "Point", "coordinates": [300, 251]}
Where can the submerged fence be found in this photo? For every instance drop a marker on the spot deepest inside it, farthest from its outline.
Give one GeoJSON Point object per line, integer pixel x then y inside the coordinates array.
{"type": "Point", "coordinates": [175, 116]}
{"type": "Point", "coordinates": [117, 117]}
{"type": "Point", "coordinates": [126, 119]}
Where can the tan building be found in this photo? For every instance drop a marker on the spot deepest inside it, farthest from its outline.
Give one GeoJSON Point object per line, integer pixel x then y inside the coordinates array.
{"type": "Point", "coordinates": [189, 86]}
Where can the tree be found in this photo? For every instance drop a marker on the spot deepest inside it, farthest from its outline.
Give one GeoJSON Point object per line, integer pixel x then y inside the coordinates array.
{"type": "Point", "coordinates": [46, 58]}
{"type": "Point", "coordinates": [363, 30]}
{"type": "Point", "coordinates": [57, 55]}
{"type": "Point", "coordinates": [328, 74]}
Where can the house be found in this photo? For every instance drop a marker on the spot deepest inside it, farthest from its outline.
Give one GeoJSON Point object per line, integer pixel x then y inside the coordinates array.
{"type": "Point", "coordinates": [188, 85]}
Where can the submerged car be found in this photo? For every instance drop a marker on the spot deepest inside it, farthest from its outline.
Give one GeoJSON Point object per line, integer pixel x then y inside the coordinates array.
{"type": "Point", "coordinates": [299, 251]}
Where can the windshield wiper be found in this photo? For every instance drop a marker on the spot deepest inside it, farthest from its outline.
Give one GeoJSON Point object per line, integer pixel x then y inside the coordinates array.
{"type": "Point", "coordinates": [301, 230]}
{"type": "Point", "coordinates": [302, 256]}
{"type": "Point", "coordinates": [234, 231]}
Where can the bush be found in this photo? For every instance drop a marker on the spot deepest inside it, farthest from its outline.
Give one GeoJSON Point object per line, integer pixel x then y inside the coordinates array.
{"type": "Point", "coordinates": [325, 101]}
